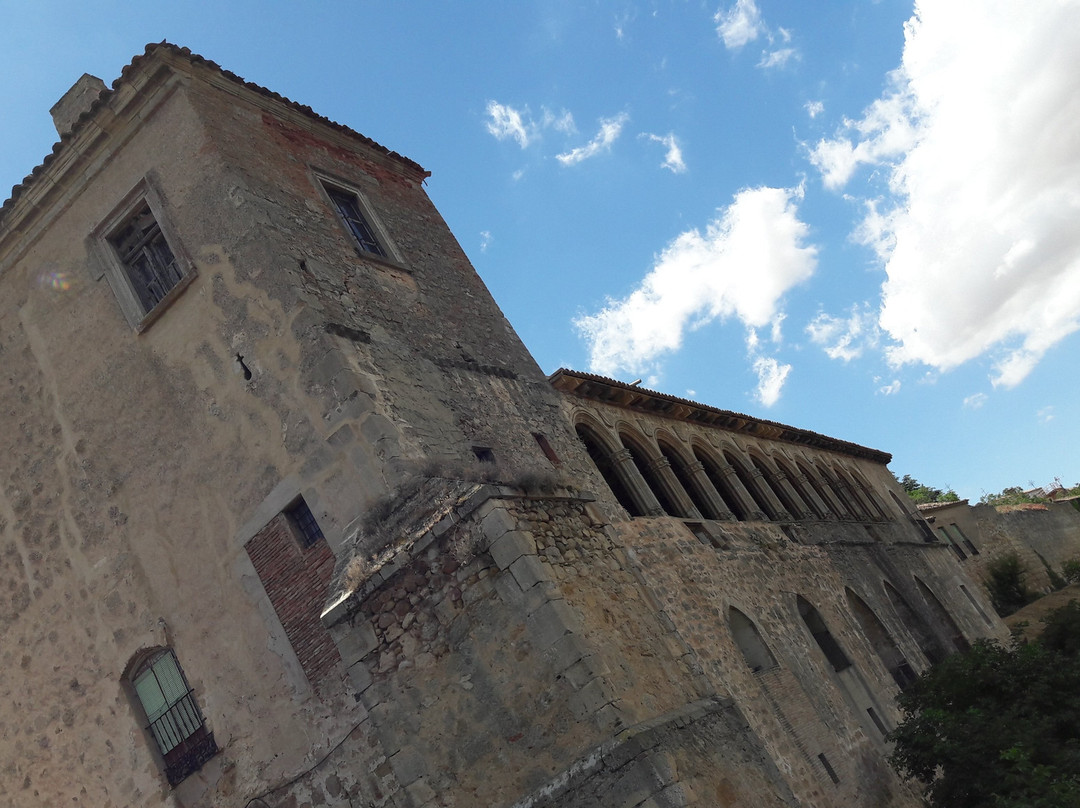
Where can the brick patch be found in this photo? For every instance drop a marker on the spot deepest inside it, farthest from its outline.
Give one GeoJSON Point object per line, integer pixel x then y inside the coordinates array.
{"type": "Point", "coordinates": [296, 581]}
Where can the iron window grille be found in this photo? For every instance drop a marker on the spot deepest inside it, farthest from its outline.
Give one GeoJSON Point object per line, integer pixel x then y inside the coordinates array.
{"type": "Point", "coordinates": [348, 207]}
{"type": "Point", "coordinates": [304, 522]}
{"type": "Point", "coordinates": [174, 718]}
{"type": "Point", "coordinates": [148, 260]}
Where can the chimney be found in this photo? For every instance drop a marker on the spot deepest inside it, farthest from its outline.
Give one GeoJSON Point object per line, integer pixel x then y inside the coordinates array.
{"type": "Point", "coordinates": [75, 102]}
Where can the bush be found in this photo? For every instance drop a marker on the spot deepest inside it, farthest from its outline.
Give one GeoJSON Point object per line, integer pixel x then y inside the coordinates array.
{"type": "Point", "coordinates": [1070, 571]}
{"type": "Point", "coordinates": [1005, 584]}
{"type": "Point", "coordinates": [998, 726]}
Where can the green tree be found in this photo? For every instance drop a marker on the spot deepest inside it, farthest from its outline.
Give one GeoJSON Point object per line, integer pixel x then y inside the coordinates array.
{"type": "Point", "coordinates": [1005, 584]}
{"type": "Point", "coordinates": [998, 726]}
{"type": "Point", "coordinates": [920, 493]}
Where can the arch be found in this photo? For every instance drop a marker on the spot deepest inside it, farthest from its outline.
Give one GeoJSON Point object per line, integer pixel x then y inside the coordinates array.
{"type": "Point", "coordinates": [716, 476]}
{"type": "Point", "coordinates": [814, 504]}
{"type": "Point", "coordinates": [822, 636]}
{"type": "Point", "coordinates": [746, 635]}
{"type": "Point", "coordinates": [956, 636]}
{"type": "Point", "coordinates": [881, 641]}
{"type": "Point", "coordinates": [647, 467]}
{"type": "Point", "coordinates": [173, 718]}
{"type": "Point", "coordinates": [761, 500]}
{"type": "Point", "coordinates": [877, 507]}
{"type": "Point", "coordinates": [836, 508]}
{"type": "Point", "coordinates": [900, 508]}
{"type": "Point", "coordinates": [854, 507]}
{"type": "Point", "coordinates": [681, 469]}
{"type": "Point", "coordinates": [924, 636]}
{"type": "Point", "coordinates": [601, 457]}
{"type": "Point", "coordinates": [790, 507]}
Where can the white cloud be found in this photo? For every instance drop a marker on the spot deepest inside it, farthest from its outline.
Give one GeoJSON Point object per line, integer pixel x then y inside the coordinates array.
{"type": "Point", "coordinates": [771, 378]}
{"type": "Point", "coordinates": [1046, 414]}
{"type": "Point", "coordinates": [978, 140]}
{"type": "Point", "coordinates": [749, 256]}
{"type": "Point", "coordinates": [485, 240]}
{"type": "Point", "coordinates": [506, 122]}
{"type": "Point", "coordinates": [610, 129]}
{"type": "Point", "coordinates": [562, 121]}
{"type": "Point", "coordinates": [814, 108]}
{"type": "Point", "coordinates": [845, 338]}
{"type": "Point", "coordinates": [777, 58]}
{"type": "Point", "coordinates": [740, 24]}
{"type": "Point", "coordinates": [890, 389]}
{"type": "Point", "coordinates": [673, 160]}
{"type": "Point", "coordinates": [975, 401]}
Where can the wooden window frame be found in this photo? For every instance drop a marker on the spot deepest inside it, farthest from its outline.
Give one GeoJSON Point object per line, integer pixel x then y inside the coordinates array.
{"type": "Point", "coordinates": [117, 271]}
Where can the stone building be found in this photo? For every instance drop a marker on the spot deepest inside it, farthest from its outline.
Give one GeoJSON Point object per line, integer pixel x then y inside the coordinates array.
{"type": "Point", "coordinates": [289, 516]}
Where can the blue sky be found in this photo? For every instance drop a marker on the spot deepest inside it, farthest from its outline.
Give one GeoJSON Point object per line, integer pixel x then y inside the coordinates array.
{"type": "Point", "coordinates": [857, 218]}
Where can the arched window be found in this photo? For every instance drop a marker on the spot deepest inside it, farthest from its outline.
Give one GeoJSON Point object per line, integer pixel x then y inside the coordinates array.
{"type": "Point", "coordinates": [881, 641]}
{"type": "Point", "coordinates": [769, 480]}
{"type": "Point", "coordinates": [913, 621]}
{"type": "Point", "coordinates": [173, 718]}
{"type": "Point", "coordinates": [748, 638]}
{"type": "Point", "coordinates": [822, 636]}
{"type": "Point", "coordinates": [652, 478]}
{"type": "Point", "coordinates": [682, 474]}
{"type": "Point", "coordinates": [957, 637]}
{"type": "Point", "coordinates": [720, 483]}
{"type": "Point", "coordinates": [750, 484]}
{"type": "Point", "coordinates": [822, 501]}
{"type": "Point", "coordinates": [601, 457]}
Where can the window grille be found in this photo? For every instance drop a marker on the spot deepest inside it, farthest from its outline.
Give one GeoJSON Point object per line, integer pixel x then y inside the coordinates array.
{"type": "Point", "coordinates": [173, 716]}
{"type": "Point", "coordinates": [303, 520]}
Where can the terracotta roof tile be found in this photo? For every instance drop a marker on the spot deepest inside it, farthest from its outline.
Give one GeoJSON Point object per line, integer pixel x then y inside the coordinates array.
{"type": "Point", "coordinates": [195, 59]}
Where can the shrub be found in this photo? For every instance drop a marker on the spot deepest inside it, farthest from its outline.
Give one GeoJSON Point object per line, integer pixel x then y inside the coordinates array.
{"type": "Point", "coordinates": [1005, 584]}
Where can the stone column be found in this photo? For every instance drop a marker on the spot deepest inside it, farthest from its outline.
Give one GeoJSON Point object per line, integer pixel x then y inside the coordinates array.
{"type": "Point", "coordinates": [763, 487]}
{"type": "Point", "coordinates": [819, 501]}
{"type": "Point", "coordinates": [665, 476]}
{"type": "Point", "coordinates": [623, 465]}
{"type": "Point", "coordinates": [805, 511]}
{"type": "Point", "coordinates": [738, 490]}
{"type": "Point", "coordinates": [708, 492]}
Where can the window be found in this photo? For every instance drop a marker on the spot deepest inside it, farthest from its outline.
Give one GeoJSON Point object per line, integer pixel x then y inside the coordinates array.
{"type": "Point", "coordinates": [139, 256]}
{"type": "Point", "coordinates": [148, 260]}
{"type": "Point", "coordinates": [303, 521]}
{"type": "Point", "coordinates": [173, 717]}
{"type": "Point", "coordinates": [349, 208]}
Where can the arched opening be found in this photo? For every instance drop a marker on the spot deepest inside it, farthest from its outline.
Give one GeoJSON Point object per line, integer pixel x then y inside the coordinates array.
{"type": "Point", "coordinates": [877, 507]}
{"type": "Point", "coordinates": [920, 630]}
{"type": "Point", "coordinates": [748, 638]}
{"type": "Point", "coordinates": [900, 507]}
{"type": "Point", "coordinates": [822, 636]}
{"type": "Point", "coordinates": [838, 484]}
{"type": "Point", "coordinates": [686, 480]}
{"type": "Point", "coordinates": [720, 483]}
{"type": "Point", "coordinates": [824, 493]}
{"type": "Point", "coordinates": [856, 693]}
{"type": "Point", "coordinates": [172, 715]}
{"type": "Point", "coordinates": [761, 500]}
{"type": "Point", "coordinates": [881, 641]}
{"type": "Point", "coordinates": [601, 458]}
{"type": "Point", "coordinates": [648, 471]}
{"type": "Point", "coordinates": [940, 613]}
{"type": "Point", "coordinates": [781, 494]}
{"type": "Point", "coordinates": [814, 504]}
